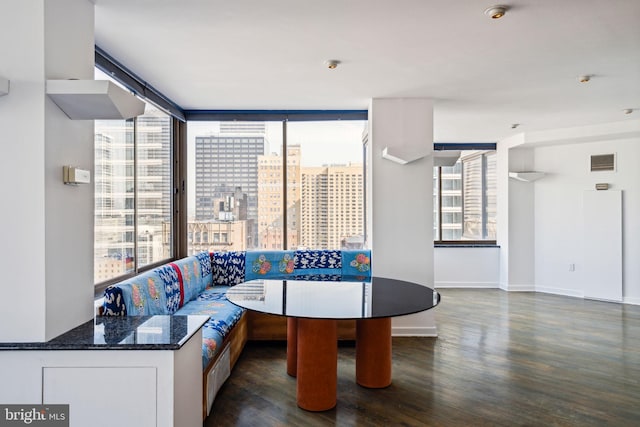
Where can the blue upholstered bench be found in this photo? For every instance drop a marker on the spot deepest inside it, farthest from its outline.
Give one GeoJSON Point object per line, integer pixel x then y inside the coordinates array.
{"type": "Point", "coordinates": [198, 285]}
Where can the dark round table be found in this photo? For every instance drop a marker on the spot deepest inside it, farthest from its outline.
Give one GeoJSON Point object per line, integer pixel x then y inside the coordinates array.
{"type": "Point", "coordinates": [312, 309]}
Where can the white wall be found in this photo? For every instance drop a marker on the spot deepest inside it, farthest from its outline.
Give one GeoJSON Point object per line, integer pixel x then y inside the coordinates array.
{"type": "Point", "coordinates": [560, 239]}
{"type": "Point", "coordinates": [47, 248]}
{"type": "Point", "coordinates": [540, 224]}
{"type": "Point", "coordinates": [400, 201]}
{"type": "Point", "coordinates": [481, 267]}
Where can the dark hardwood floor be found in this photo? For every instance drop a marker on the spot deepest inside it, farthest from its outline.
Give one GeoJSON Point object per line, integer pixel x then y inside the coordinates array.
{"type": "Point", "coordinates": [500, 359]}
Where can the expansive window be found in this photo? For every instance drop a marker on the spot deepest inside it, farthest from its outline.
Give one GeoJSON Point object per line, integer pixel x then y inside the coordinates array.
{"type": "Point", "coordinates": [465, 199]}
{"type": "Point", "coordinates": [275, 185]}
{"type": "Point", "coordinates": [133, 194]}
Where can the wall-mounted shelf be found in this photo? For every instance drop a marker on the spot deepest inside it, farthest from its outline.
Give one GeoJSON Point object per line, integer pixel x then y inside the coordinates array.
{"type": "Point", "coordinates": [94, 100]}
{"type": "Point", "coordinates": [403, 155]}
{"type": "Point", "coordinates": [4, 86]}
{"type": "Point", "coordinates": [529, 176]}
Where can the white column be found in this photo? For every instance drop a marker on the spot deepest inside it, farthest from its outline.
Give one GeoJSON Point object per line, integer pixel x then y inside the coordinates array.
{"type": "Point", "coordinates": [47, 251]}
{"type": "Point", "coordinates": [400, 200]}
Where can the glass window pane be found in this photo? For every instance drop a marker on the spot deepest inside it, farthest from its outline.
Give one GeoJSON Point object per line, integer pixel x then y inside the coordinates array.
{"type": "Point", "coordinates": [154, 184]}
{"type": "Point", "coordinates": [467, 204]}
{"type": "Point", "coordinates": [472, 198]}
{"type": "Point", "coordinates": [325, 183]}
{"type": "Point", "coordinates": [114, 247]}
{"type": "Point", "coordinates": [491, 195]}
{"type": "Point", "coordinates": [223, 182]}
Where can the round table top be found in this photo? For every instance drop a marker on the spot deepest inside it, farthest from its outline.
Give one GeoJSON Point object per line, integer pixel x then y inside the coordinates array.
{"type": "Point", "coordinates": [344, 299]}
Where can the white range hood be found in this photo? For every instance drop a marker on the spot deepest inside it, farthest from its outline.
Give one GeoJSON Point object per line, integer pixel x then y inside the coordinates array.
{"type": "Point", "coordinates": [94, 100]}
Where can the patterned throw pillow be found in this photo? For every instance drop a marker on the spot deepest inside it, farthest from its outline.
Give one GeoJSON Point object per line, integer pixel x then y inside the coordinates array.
{"type": "Point", "coordinates": [228, 267]}
{"type": "Point", "coordinates": [269, 264]}
{"type": "Point", "coordinates": [356, 262]}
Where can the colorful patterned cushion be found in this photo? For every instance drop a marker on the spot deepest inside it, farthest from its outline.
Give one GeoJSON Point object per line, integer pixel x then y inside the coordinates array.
{"type": "Point", "coordinates": [144, 294]}
{"type": "Point", "coordinates": [356, 262]}
{"type": "Point", "coordinates": [206, 272]}
{"type": "Point", "coordinates": [224, 315]}
{"type": "Point", "coordinates": [192, 281]}
{"type": "Point", "coordinates": [172, 286]}
{"type": "Point", "coordinates": [317, 261]}
{"type": "Point", "coordinates": [319, 277]}
{"type": "Point", "coordinates": [228, 267]}
{"type": "Point", "coordinates": [113, 304]}
{"type": "Point", "coordinates": [269, 264]}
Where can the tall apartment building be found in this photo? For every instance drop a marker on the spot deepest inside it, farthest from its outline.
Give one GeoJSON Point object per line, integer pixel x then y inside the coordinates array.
{"type": "Point", "coordinates": [226, 161]}
{"type": "Point", "coordinates": [120, 173]}
{"type": "Point", "coordinates": [468, 199]}
{"type": "Point", "coordinates": [271, 201]}
{"type": "Point", "coordinates": [332, 206]}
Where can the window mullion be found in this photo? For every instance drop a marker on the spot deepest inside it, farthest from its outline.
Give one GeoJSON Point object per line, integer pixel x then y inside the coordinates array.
{"type": "Point", "coordinates": [439, 203]}
{"type": "Point", "coordinates": [483, 195]}
{"type": "Point", "coordinates": [285, 218]}
{"type": "Point", "coordinates": [135, 195]}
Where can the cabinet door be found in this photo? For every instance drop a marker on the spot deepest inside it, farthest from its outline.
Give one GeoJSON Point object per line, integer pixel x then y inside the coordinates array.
{"type": "Point", "coordinates": [101, 396]}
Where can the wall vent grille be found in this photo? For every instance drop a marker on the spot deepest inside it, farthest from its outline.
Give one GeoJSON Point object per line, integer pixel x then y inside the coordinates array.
{"type": "Point", "coordinates": [603, 162]}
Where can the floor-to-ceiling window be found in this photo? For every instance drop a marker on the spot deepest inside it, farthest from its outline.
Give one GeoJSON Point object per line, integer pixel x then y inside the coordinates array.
{"type": "Point", "coordinates": [275, 185]}
{"type": "Point", "coordinates": [133, 193]}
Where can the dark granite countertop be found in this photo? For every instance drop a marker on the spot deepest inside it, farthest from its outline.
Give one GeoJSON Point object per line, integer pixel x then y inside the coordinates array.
{"type": "Point", "coordinates": [122, 333]}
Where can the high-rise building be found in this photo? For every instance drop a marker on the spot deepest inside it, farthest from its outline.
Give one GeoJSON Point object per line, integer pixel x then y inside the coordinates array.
{"type": "Point", "coordinates": [332, 206]}
{"type": "Point", "coordinates": [122, 176]}
{"type": "Point", "coordinates": [225, 162]}
{"type": "Point", "coordinates": [271, 200]}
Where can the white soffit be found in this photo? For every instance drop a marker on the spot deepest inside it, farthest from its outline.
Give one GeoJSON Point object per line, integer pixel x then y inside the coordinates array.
{"type": "Point", "coordinates": [445, 157]}
{"type": "Point", "coordinates": [4, 86]}
{"type": "Point", "coordinates": [94, 100]}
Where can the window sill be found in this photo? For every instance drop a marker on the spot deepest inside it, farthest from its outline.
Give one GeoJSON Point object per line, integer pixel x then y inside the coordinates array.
{"type": "Point", "coordinates": [465, 245]}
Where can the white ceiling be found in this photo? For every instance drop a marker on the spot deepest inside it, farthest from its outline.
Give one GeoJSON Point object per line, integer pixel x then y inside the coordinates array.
{"type": "Point", "coordinates": [484, 75]}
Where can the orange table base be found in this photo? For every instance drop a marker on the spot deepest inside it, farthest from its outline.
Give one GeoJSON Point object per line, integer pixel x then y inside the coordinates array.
{"type": "Point", "coordinates": [373, 352]}
{"type": "Point", "coordinates": [292, 346]}
{"type": "Point", "coordinates": [317, 363]}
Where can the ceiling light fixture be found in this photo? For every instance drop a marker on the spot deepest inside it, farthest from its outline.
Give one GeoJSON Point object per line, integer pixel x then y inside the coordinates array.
{"type": "Point", "coordinates": [332, 64]}
{"type": "Point", "coordinates": [496, 12]}
{"type": "Point", "coordinates": [628, 110]}
{"type": "Point", "coordinates": [584, 79]}
{"type": "Point", "coordinates": [515, 125]}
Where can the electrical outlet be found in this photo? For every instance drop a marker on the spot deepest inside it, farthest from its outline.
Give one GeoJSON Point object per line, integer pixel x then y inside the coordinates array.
{"type": "Point", "coordinates": [572, 267]}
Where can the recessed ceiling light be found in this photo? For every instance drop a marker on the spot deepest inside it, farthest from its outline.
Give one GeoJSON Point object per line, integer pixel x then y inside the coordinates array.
{"type": "Point", "coordinates": [628, 111]}
{"type": "Point", "coordinates": [584, 79]}
{"type": "Point", "coordinates": [496, 12]}
{"type": "Point", "coordinates": [332, 64]}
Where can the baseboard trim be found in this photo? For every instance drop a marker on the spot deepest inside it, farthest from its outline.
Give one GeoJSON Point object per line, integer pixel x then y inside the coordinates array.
{"type": "Point", "coordinates": [467, 285]}
{"type": "Point", "coordinates": [629, 300]}
{"type": "Point", "coordinates": [414, 331]}
{"type": "Point", "coordinates": [560, 291]}
{"type": "Point", "coordinates": [517, 288]}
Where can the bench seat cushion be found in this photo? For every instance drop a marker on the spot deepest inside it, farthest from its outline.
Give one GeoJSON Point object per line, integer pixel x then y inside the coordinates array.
{"type": "Point", "coordinates": [224, 315]}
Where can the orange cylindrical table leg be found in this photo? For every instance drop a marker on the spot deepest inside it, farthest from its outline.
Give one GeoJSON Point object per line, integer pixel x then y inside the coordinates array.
{"type": "Point", "coordinates": [317, 364]}
{"type": "Point", "coordinates": [292, 346]}
{"type": "Point", "coordinates": [373, 352]}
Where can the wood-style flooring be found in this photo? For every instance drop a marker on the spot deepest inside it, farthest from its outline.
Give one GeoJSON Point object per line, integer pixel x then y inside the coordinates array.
{"type": "Point", "coordinates": [500, 359]}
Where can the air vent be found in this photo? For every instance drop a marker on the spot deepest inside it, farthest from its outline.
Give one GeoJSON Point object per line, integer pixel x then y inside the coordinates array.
{"type": "Point", "coordinates": [603, 162]}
